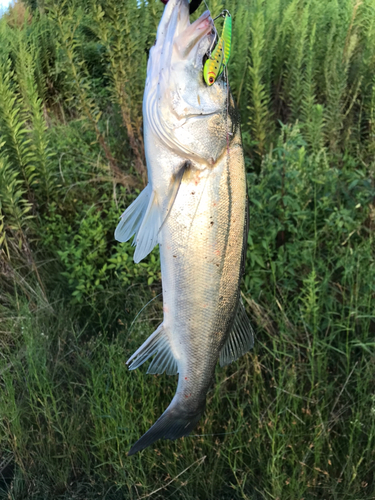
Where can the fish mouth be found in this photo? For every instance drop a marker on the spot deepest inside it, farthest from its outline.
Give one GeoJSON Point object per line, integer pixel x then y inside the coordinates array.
{"type": "Point", "coordinates": [175, 27]}
{"type": "Point", "coordinates": [194, 32]}
{"type": "Point", "coordinates": [203, 22]}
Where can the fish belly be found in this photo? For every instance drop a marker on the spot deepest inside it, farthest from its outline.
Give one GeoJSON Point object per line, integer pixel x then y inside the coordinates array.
{"type": "Point", "coordinates": [201, 247]}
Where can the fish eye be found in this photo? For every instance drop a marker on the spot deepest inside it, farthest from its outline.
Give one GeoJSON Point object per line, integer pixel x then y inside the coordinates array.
{"type": "Point", "coordinates": [211, 79]}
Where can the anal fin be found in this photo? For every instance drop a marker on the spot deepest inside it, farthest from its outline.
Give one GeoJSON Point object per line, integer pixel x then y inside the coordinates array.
{"type": "Point", "coordinates": [158, 344]}
{"type": "Point", "coordinates": [240, 339]}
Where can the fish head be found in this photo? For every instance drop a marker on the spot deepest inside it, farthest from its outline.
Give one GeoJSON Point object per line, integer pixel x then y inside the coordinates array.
{"type": "Point", "coordinates": [180, 45]}
{"type": "Point", "coordinates": [179, 106]}
{"type": "Point", "coordinates": [190, 44]}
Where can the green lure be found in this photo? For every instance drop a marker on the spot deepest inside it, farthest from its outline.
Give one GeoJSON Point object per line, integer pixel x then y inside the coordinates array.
{"type": "Point", "coordinates": [219, 57]}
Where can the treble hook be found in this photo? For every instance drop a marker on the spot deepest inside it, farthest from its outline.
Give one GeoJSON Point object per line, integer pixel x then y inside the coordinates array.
{"type": "Point", "coordinates": [223, 13]}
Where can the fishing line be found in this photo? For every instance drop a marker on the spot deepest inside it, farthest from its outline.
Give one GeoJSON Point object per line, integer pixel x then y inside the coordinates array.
{"type": "Point", "coordinates": [223, 14]}
{"type": "Point", "coordinates": [135, 319]}
{"type": "Point", "coordinates": [216, 33]}
{"type": "Point", "coordinates": [218, 434]}
{"type": "Point", "coordinates": [227, 82]}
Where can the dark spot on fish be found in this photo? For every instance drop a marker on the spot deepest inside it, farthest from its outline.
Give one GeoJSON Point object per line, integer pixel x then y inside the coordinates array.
{"type": "Point", "coordinates": [212, 223]}
{"type": "Point", "coordinates": [193, 192]}
{"type": "Point", "coordinates": [175, 256]}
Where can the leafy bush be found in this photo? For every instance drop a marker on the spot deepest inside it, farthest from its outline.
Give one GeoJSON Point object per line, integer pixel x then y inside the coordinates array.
{"type": "Point", "coordinates": [90, 258]}
{"type": "Point", "coordinates": [306, 212]}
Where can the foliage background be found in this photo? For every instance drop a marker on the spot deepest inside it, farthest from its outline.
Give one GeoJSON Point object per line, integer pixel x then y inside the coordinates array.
{"type": "Point", "coordinates": [295, 418]}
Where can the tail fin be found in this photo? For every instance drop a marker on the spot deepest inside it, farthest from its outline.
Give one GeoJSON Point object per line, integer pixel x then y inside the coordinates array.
{"type": "Point", "coordinates": [172, 424]}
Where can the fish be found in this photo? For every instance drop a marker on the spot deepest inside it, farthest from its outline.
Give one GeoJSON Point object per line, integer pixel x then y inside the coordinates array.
{"type": "Point", "coordinates": [195, 206]}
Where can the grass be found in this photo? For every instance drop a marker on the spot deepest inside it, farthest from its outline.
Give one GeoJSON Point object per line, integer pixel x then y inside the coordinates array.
{"type": "Point", "coordinates": [295, 417]}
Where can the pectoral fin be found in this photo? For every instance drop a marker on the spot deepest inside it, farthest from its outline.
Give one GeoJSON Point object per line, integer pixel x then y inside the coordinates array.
{"type": "Point", "coordinates": [142, 218]}
{"type": "Point", "coordinates": [147, 235]}
{"type": "Point", "coordinates": [240, 340]}
{"type": "Point", "coordinates": [132, 218]}
{"type": "Point", "coordinates": [145, 218]}
{"type": "Point", "coordinates": [174, 187]}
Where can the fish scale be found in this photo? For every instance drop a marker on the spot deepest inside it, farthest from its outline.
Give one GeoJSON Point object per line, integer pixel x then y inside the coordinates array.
{"type": "Point", "coordinates": [221, 271]}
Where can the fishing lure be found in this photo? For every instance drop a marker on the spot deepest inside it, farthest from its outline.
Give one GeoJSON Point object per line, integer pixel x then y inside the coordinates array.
{"type": "Point", "coordinates": [219, 57]}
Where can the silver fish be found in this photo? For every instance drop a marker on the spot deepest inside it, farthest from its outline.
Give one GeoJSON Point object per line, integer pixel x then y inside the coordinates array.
{"type": "Point", "coordinates": [195, 207]}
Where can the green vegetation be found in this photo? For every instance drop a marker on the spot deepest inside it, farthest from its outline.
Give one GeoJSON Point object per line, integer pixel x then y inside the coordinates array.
{"type": "Point", "coordinates": [295, 418]}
